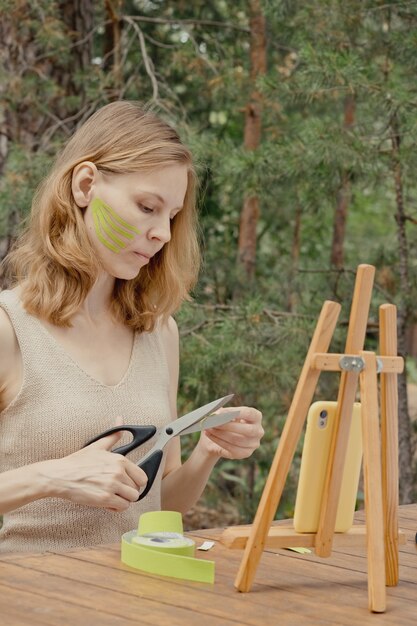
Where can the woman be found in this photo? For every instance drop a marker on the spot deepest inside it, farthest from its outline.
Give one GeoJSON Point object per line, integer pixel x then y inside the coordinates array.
{"type": "Point", "coordinates": [87, 340]}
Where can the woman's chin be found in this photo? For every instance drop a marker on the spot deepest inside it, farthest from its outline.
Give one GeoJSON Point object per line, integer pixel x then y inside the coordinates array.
{"type": "Point", "coordinates": [123, 272]}
{"type": "Point", "coordinates": [124, 267]}
{"type": "Point", "coordinates": [127, 275]}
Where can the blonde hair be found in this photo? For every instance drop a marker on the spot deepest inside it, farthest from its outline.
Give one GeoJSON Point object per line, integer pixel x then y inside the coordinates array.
{"type": "Point", "coordinates": [53, 260]}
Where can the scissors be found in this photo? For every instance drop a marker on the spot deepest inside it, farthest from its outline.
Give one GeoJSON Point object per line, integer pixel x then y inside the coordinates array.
{"type": "Point", "coordinates": [193, 422]}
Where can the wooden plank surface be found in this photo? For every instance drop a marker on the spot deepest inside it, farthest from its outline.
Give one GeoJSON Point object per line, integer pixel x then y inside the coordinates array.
{"type": "Point", "coordinates": [93, 587]}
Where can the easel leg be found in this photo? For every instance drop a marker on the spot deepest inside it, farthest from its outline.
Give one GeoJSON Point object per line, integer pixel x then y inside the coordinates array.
{"type": "Point", "coordinates": [389, 442]}
{"type": "Point", "coordinates": [358, 320]}
{"type": "Point", "coordinates": [372, 484]}
{"type": "Point", "coordinates": [285, 452]}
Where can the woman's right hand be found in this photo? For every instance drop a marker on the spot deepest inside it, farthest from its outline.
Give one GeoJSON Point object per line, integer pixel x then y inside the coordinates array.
{"type": "Point", "coordinates": [94, 476]}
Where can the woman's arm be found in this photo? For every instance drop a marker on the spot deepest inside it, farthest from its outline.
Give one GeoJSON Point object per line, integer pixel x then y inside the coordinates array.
{"type": "Point", "coordinates": [183, 485]}
{"type": "Point", "coordinates": [10, 360]}
{"type": "Point", "coordinates": [22, 485]}
{"type": "Point", "coordinates": [91, 476]}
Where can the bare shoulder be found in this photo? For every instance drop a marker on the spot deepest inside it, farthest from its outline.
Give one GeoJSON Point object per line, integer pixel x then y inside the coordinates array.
{"type": "Point", "coordinates": [9, 347]}
{"type": "Point", "coordinates": [170, 340]}
{"type": "Point", "coordinates": [8, 340]}
{"type": "Point", "coordinates": [169, 333]}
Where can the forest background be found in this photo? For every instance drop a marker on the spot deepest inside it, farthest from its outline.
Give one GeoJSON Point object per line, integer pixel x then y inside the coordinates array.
{"type": "Point", "coordinates": [302, 117]}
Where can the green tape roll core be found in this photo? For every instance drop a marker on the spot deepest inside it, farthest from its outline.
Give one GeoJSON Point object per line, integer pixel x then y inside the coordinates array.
{"type": "Point", "coordinates": [176, 562]}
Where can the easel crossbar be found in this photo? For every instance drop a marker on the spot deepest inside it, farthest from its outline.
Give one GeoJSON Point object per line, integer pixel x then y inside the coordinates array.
{"type": "Point", "coordinates": [284, 536]}
{"type": "Point", "coordinates": [335, 363]}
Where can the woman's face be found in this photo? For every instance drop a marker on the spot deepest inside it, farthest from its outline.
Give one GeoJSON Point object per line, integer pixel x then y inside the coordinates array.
{"type": "Point", "coordinates": [141, 204]}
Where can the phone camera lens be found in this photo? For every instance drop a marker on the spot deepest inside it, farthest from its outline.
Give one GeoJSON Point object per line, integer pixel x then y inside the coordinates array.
{"type": "Point", "coordinates": [323, 414]}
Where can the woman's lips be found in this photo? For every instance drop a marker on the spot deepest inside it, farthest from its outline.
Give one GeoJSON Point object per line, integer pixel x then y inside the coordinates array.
{"type": "Point", "coordinates": [141, 255]}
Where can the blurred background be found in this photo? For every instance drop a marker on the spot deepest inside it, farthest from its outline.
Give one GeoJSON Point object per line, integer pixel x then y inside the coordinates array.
{"type": "Point", "coordinates": [302, 117]}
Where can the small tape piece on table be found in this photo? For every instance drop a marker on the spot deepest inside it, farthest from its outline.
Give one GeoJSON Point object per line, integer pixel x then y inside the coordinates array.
{"type": "Point", "coordinates": [159, 547]}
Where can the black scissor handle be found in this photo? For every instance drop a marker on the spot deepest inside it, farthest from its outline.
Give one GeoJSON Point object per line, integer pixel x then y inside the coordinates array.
{"type": "Point", "coordinates": [140, 435]}
{"type": "Point", "coordinates": [150, 467]}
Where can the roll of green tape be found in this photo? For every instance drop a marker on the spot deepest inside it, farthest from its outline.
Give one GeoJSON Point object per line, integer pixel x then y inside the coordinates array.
{"type": "Point", "coordinates": [159, 547]}
{"type": "Point", "coordinates": [160, 521]}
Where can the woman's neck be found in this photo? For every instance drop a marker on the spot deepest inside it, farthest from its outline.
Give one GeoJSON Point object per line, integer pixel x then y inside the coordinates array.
{"type": "Point", "coordinates": [98, 300]}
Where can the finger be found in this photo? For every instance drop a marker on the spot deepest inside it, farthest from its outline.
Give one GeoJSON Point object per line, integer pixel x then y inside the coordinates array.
{"type": "Point", "coordinates": [136, 474]}
{"type": "Point", "coordinates": [231, 452]}
{"type": "Point", "coordinates": [106, 443]}
{"type": "Point", "coordinates": [247, 414]}
{"type": "Point", "coordinates": [119, 421]}
{"type": "Point", "coordinates": [218, 450]}
{"type": "Point", "coordinates": [116, 504]}
{"type": "Point", "coordinates": [243, 429]}
{"type": "Point", "coordinates": [239, 433]}
{"type": "Point", "coordinates": [126, 480]}
{"type": "Point", "coordinates": [110, 440]}
{"type": "Point", "coordinates": [233, 443]}
{"type": "Point", "coordinates": [130, 494]}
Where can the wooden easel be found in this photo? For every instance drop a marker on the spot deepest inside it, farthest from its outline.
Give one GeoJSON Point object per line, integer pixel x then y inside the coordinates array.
{"type": "Point", "coordinates": [380, 457]}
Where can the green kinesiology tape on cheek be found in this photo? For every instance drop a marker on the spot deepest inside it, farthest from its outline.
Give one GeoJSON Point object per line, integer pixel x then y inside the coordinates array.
{"type": "Point", "coordinates": [109, 225]}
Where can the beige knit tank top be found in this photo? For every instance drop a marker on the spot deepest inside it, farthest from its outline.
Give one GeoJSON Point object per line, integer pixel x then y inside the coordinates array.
{"type": "Point", "coordinates": [57, 410]}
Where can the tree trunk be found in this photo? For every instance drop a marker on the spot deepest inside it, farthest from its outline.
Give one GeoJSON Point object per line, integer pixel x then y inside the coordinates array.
{"type": "Point", "coordinates": [252, 137]}
{"type": "Point", "coordinates": [404, 319]}
{"type": "Point", "coordinates": [337, 258]}
{"type": "Point", "coordinates": [112, 45]}
{"type": "Point", "coordinates": [295, 257]}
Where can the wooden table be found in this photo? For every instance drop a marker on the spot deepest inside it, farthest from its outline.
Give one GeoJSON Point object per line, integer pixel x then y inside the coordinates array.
{"type": "Point", "coordinates": [91, 587]}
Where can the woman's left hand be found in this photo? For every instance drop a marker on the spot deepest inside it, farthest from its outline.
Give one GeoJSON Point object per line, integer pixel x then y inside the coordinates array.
{"type": "Point", "coordinates": [236, 439]}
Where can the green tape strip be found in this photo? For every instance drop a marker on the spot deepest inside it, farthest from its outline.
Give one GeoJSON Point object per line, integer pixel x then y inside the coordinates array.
{"type": "Point", "coordinates": [174, 557]}
{"type": "Point", "coordinates": [107, 223]}
{"type": "Point", "coordinates": [100, 236]}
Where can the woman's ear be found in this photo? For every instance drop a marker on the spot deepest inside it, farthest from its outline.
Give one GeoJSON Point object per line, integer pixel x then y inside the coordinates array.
{"type": "Point", "coordinates": [84, 176]}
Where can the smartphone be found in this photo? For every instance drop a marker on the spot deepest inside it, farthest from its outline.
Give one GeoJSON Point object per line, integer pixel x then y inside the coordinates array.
{"type": "Point", "coordinates": [316, 448]}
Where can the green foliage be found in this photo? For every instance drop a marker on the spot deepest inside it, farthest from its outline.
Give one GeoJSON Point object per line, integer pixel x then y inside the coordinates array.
{"type": "Point", "coordinates": [257, 354]}
{"type": "Point", "coordinates": [19, 181]}
{"type": "Point", "coordinates": [239, 350]}
{"type": "Point", "coordinates": [197, 55]}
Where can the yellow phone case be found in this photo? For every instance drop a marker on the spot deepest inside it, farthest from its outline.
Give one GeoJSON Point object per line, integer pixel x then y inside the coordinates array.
{"type": "Point", "coordinates": [320, 426]}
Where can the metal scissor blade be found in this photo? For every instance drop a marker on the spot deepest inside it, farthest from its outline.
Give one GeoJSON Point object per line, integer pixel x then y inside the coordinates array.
{"type": "Point", "coordinates": [212, 421]}
{"type": "Point", "coordinates": [184, 422]}
{"type": "Point", "coordinates": [178, 426]}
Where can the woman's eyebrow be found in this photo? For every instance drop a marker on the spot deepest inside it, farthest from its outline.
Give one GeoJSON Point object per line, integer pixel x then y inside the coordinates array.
{"type": "Point", "coordinates": [143, 192]}
{"type": "Point", "coordinates": [156, 195]}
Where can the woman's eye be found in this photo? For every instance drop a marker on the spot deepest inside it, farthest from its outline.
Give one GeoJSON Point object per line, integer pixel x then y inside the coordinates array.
{"type": "Point", "coordinates": [145, 209]}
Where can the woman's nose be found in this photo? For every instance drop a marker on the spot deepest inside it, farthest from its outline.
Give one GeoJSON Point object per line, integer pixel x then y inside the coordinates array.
{"type": "Point", "coordinates": [161, 230]}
